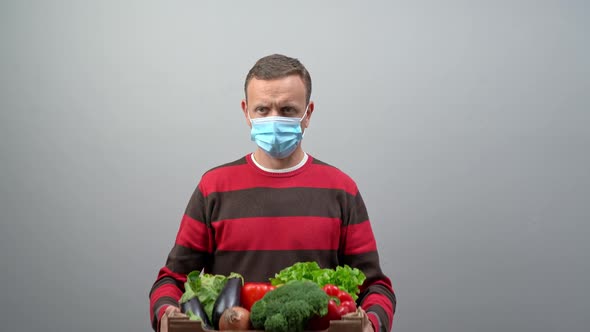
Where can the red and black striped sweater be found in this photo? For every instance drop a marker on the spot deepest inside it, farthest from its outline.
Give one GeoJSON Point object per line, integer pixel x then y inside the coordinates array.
{"type": "Point", "coordinates": [246, 220]}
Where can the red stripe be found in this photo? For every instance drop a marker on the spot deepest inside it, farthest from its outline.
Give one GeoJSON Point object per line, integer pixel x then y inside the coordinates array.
{"type": "Point", "coordinates": [278, 233]}
{"type": "Point", "coordinates": [166, 272]}
{"type": "Point", "coordinates": [384, 281]}
{"type": "Point", "coordinates": [359, 238]}
{"type": "Point", "coordinates": [166, 290]}
{"type": "Point", "coordinates": [193, 234]}
{"type": "Point", "coordinates": [316, 176]}
{"type": "Point", "coordinates": [381, 300]}
{"type": "Point", "coordinates": [374, 320]}
{"type": "Point", "coordinates": [161, 313]}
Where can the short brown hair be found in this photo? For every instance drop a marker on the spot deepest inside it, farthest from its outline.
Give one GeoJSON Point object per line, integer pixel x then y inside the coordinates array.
{"type": "Point", "coordinates": [278, 66]}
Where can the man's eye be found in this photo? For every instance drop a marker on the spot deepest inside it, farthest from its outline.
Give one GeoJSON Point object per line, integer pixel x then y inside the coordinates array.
{"type": "Point", "coordinates": [288, 110]}
{"type": "Point", "coordinates": [261, 110]}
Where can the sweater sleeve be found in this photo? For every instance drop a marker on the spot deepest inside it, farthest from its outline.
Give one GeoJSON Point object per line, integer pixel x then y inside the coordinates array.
{"type": "Point", "coordinates": [191, 251]}
{"type": "Point", "coordinates": [359, 250]}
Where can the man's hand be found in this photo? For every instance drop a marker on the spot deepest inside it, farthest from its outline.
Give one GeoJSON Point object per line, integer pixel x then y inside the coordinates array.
{"type": "Point", "coordinates": [171, 311]}
{"type": "Point", "coordinates": [366, 324]}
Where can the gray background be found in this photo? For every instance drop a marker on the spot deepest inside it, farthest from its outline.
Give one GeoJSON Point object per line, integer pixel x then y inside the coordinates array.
{"type": "Point", "coordinates": [464, 123]}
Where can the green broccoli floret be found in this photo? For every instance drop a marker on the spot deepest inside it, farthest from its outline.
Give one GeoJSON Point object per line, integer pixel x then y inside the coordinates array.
{"type": "Point", "coordinates": [289, 307]}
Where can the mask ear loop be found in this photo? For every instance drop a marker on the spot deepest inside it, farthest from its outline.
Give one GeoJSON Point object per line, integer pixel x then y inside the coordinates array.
{"type": "Point", "coordinates": [301, 120]}
{"type": "Point", "coordinates": [248, 112]}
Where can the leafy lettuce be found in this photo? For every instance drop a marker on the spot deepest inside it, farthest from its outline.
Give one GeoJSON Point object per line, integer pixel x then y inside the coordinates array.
{"type": "Point", "coordinates": [345, 277]}
{"type": "Point", "coordinates": [206, 287]}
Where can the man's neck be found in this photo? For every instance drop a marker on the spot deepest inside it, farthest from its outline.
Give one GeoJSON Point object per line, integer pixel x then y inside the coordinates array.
{"type": "Point", "coordinates": [265, 161]}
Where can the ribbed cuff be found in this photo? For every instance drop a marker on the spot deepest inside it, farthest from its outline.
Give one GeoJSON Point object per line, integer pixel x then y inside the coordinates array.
{"type": "Point", "coordinates": [374, 319]}
{"type": "Point", "coordinates": [161, 312]}
{"type": "Point", "coordinates": [159, 308]}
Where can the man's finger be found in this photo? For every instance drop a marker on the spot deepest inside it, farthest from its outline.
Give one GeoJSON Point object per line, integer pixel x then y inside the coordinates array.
{"type": "Point", "coordinates": [366, 324]}
{"type": "Point", "coordinates": [177, 314]}
{"type": "Point", "coordinates": [171, 309]}
{"type": "Point", "coordinates": [355, 314]}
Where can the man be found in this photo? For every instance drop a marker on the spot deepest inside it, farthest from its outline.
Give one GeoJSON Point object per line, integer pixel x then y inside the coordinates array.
{"type": "Point", "coordinates": [276, 206]}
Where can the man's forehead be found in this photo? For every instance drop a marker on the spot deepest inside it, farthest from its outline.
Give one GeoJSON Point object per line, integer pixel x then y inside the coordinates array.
{"type": "Point", "coordinates": [288, 78]}
{"type": "Point", "coordinates": [289, 87]}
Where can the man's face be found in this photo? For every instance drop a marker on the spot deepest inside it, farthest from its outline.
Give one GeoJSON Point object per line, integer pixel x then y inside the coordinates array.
{"type": "Point", "coordinates": [279, 97]}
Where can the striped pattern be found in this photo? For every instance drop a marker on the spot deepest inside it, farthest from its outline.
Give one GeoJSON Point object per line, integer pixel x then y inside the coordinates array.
{"type": "Point", "coordinates": [242, 219]}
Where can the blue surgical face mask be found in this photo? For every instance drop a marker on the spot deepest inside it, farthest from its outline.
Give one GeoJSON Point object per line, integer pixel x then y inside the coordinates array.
{"type": "Point", "coordinates": [278, 136]}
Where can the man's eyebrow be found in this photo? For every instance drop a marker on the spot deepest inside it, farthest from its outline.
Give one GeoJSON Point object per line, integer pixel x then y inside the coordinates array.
{"type": "Point", "coordinates": [289, 104]}
{"type": "Point", "coordinates": [260, 104]}
{"type": "Point", "coordinates": [282, 104]}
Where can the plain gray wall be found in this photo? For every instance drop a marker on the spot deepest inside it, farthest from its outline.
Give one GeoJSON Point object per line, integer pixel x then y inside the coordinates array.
{"type": "Point", "coordinates": [464, 124]}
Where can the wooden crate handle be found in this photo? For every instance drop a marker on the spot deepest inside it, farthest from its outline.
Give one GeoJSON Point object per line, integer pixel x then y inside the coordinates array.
{"type": "Point", "coordinates": [183, 324]}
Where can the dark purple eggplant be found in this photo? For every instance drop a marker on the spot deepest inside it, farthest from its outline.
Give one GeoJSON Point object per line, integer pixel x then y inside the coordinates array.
{"type": "Point", "coordinates": [194, 305]}
{"type": "Point", "coordinates": [229, 297]}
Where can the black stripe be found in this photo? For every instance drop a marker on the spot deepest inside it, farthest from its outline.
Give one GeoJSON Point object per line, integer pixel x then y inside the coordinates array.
{"type": "Point", "coordinates": [238, 162]}
{"type": "Point", "coordinates": [196, 206]}
{"type": "Point", "coordinates": [319, 162]}
{"type": "Point", "coordinates": [161, 301]}
{"type": "Point", "coordinates": [382, 315]}
{"type": "Point", "coordinates": [381, 290]}
{"type": "Point", "coordinates": [184, 260]}
{"type": "Point", "coordinates": [279, 202]}
{"type": "Point", "coordinates": [166, 281]}
{"type": "Point", "coordinates": [366, 262]}
{"type": "Point", "coordinates": [262, 265]}
{"type": "Point", "coordinates": [358, 213]}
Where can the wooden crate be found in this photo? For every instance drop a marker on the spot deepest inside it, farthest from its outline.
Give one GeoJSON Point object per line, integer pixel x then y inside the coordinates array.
{"type": "Point", "coordinates": [183, 324]}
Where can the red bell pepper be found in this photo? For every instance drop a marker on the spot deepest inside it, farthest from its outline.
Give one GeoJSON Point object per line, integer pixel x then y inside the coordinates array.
{"type": "Point", "coordinates": [252, 292]}
{"type": "Point", "coordinates": [340, 304]}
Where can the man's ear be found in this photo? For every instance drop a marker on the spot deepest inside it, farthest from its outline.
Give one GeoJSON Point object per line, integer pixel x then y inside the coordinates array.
{"type": "Point", "coordinates": [244, 105]}
{"type": "Point", "coordinates": [307, 119]}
